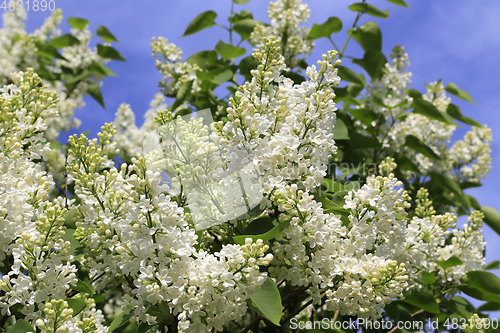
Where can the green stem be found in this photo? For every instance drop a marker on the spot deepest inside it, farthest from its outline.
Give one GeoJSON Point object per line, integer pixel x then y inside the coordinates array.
{"type": "Point", "coordinates": [341, 54]}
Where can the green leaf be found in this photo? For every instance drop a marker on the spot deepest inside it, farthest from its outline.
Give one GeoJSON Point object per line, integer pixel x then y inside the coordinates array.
{"type": "Point", "coordinates": [491, 218]}
{"type": "Point", "coordinates": [65, 41]}
{"type": "Point", "coordinates": [492, 265]}
{"type": "Point", "coordinates": [228, 51]}
{"type": "Point", "coordinates": [451, 262]}
{"type": "Point", "coordinates": [406, 163]}
{"type": "Point", "coordinates": [347, 74]}
{"type": "Point", "coordinates": [466, 185]}
{"type": "Point", "coordinates": [203, 59]}
{"type": "Point", "coordinates": [241, 2]}
{"type": "Point", "coordinates": [454, 90]}
{"type": "Point", "coordinates": [332, 25]}
{"type": "Point", "coordinates": [340, 131]}
{"type": "Point", "coordinates": [121, 319]}
{"type": "Point", "coordinates": [354, 89]}
{"type": "Point", "coordinates": [200, 22]}
{"type": "Point", "coordinates": [47, 50]}
{"type": "Point", "coordinates": [330, 206]}
{"type": "Point", "coordinates": [182, 94]}
{"type": "Point", "coordinates": [490, 306]}
{"type": "Point", "coordinates": [21, 326]}
{"type": "Point", "coordinates": [267, 302]}
{"type": "Point", "coordinates": [369, 9]}
{"type": "Point", "coordinates": [295, 77]}
{"type": "Point", "coordinates": [427, 109]}
{"type": "Point", "coordinates": [479, 293]}
{"type": "Point", "coordinates": [271, 234]}
{"type": "Point", "coordinates": [373, 61]}
{"type": "Point", "coordinates": [399, 3]}
{"type": "Point", "coordinates": [45, 73]}
{"type": "Point", "coordinates": [414, 143]}
{"type": "Point", "coordinates": [154, 311]}
{"type": "Point", "coordinates": [260, 225]}
{"type": "Point", "coordinates": [144, 327]}
{"type": "Point", "coordinates": [71, 78]}
{"type": "Point", "coordinates": [246, 65]}
{"type": "Point", "coordinates": [106, 35]}
{"type": "Point", "coordinates": [445, 182]}
{"type": "Point", "coordinates": [484, 280]}
{"type": "Point", "coordinates": [423, 300]}
{"type": "Point", "coordinates": [428, 278]}
{"type": "Point", "coordinates": [108, 52]}
{"type": "Point", "coordinates": [78, 23]}
{"type": "Point", "coordinates": [245, 27]}
{"type": "Point", "coordinates": [459, 305]}
{"type": "Point", "coordinates": [95, 92]}
{"type": "Point", "coordinates": [84, 287]}
{"type": "Point", "coordinates": [473, 202]}
{"type": "Point", "coordinates": [366, 116]}
{"type": "Point", "coordinates": [217, 76]}
{"type": "Point", "coordinates": [76, 304]}
{"type": "Point", "coordinates": [368, 36]}
{"type": "Point", "coordinates": [76, 248]}
{"type": "Point", "coordinates": [243, 15]}
{"type": "Point", "coordinates": [455, 112]}
{"type": "Point", "coordinates": [415, 94]}
{"type": "Point", "coordinates": [360, 141]}
{"type": "Point", "coordinates": [99, 68]}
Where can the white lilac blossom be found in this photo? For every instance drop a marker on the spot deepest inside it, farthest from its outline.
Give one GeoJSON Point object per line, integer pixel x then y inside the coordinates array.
{"type": "Point", "coordinates": [467, 160]}
{"type": "Point", "coordinates": [470, 159]}
{"type": "Point", "coordinates": [283, 129]}
{"type": "Point", "coordinates": [59, 317]}
{"type": "Point", "coordinates": [30, 226]}
{"type": "Point", "coordinates": [130, 138]}
{"type": "Point", "coordinates": [18, 51]}
{"type": "Point", "coordinates": [467, 245]}
{"type": "Point", "coordinates": [334, 259]}
{"type": "Point", "coordinates": [169, 62]}
{"type": "Point", "coordinates": [132, 228]}
{"type": "Point", "coordinates": [287, 16]}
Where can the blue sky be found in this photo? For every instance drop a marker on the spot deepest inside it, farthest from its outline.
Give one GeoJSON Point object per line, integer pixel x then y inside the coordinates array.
{"type": "Point", "coordinates": [454, 40]}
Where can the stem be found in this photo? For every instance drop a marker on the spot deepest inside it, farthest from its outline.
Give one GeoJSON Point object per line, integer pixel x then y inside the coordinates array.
{"type": "Point", "coordinates": [341, 54]}
{"type": "Point", "coordinates": [254, 322]}
{"type": "Point", "coordinates": [336, 315]}
{"type": "Point", "coordinates": [333, 43]}
{"type": "Point", "coordinates": [295, 312]}
{"type": "Point", "coordinates": [66, 180]}
{"type": "Point", "coordinates": [413, 315]}
{"type": "Point", "coordinates": [294, 294]}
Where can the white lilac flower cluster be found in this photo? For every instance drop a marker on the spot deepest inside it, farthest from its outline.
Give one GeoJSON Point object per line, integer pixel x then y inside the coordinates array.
{"type": "Point", "coordinates": [476, 324]}
{"type": "Point", "coordinates": [356, 264]}
{"type": "Point", "coordinates": [468, 245]}
{"type": "Point", "coordinates": [129, 138]}
{"type": "Point", "coordinates": [286, 16]}
{"type": "Point", "coordinates": [214, 189]}
{"type": "Point", "coordinates": [59, 317]}
{"type": "Point", "coordinates": [16, 48]}
{"type": "Point", "coordinates": [18, 51]}
{"type": "Point", "coordinates": [169, 62]}
{"type": "Point", "coordinates": [468, 159]}
{"type": "Point", "coordinates": [283, 129]}
{"type": "Point", "coordinates": [441, 240]}
{"type": "Point", "coordinates": [30, 226]}
{"type": "Point", "coordinates": [133, 229]}
{"type": "Point", "coordinates": [391, 89]}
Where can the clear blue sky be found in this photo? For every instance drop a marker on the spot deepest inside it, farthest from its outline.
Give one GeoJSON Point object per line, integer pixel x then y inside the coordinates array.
{"type": "Point", "coordinates": [454, 40]}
